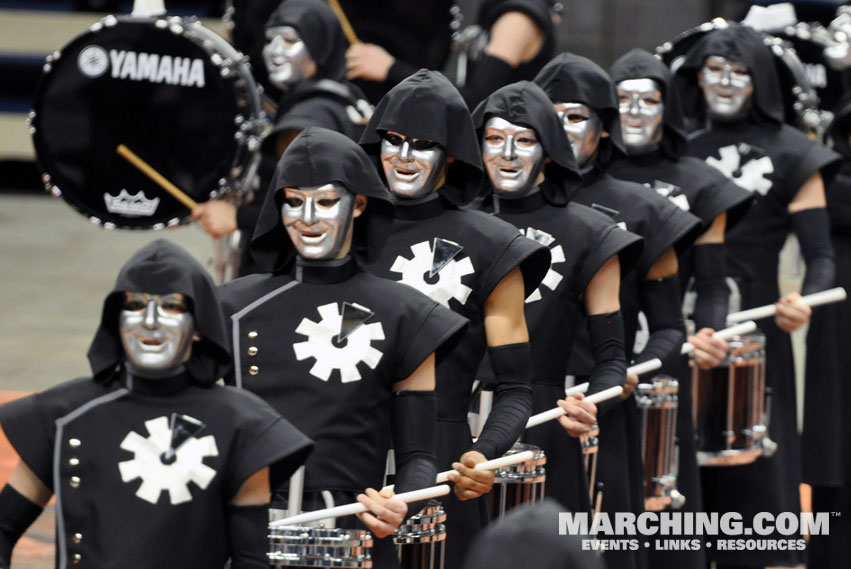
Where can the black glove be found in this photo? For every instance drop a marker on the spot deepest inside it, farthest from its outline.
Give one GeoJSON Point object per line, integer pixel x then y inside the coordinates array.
{"type": "Point", "coordinates": [812, 228]}
{"type": "Point", "coordinates": [512, 400]}
{"type": "Point", "coordinates": [17, 513]}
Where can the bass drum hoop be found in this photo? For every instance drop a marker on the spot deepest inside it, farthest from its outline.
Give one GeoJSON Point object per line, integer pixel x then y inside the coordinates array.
{"type": "Point", "coordinates": [235, 184]}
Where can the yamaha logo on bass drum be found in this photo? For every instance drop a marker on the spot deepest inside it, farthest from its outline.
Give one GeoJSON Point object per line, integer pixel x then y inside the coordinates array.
{"type": "Point", "coordinates": [94, 61]}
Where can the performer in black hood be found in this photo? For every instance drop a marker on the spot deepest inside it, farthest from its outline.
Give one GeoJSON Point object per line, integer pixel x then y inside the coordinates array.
{"type": "Point", "coordinates": [729, 77]}
{"type": "Point", "coordinates": [586, 100]}
{"type": "Point", "coordinates": [150, 422]}
{"type": "Point", "coordinates": [305, 56]}
{"type": "Point", "coordinates": [528, 160]}
{"type": "Point", "coordinates": [481, 267]}
{"type": "Point", "coordinates": [827, 430]}
{"type": "Point", "coordinates": [348, 357]}
{"type": "Point", "coordinates": [653, 129]}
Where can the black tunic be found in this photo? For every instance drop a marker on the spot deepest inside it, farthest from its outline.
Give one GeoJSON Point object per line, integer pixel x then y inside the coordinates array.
{"type": "Point", "coordinates": [284, 330]}
{"type": "Point", "coordinates": [489, 250]}
{"type": "Point", "coordinates": [772, 163]}
{"type": "Point", "coordinates": [580, 240]}
{"type": "Point", "coordinates": [97, 447]}
{"type": "Point", "coordinates": [827, 430]}
{"type": "Point", "coordinates": [663, 225]}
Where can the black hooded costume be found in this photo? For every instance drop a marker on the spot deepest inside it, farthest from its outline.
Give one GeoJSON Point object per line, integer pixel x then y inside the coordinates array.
{"type": "Point", "coordinates": [580, 240]}
{"type": "Point", "coordinates": [285, 328]}
{"type": "Point", "coordinates": [772, 161]}
{"type": "Point", "coordinates": [575, 79]}
{"type": "Point", "coordinates": [827, 428]}
{"type": "Point", "coordinates": [97, 443]}
{"type": "Point", "coordinates": [473, 252]}
{"type": "Point", "coordinates": [488, 73]}
{"type": "Point", "coordinates": [703, 191]}
{"type": "Point", "coordinates": [326, 99]}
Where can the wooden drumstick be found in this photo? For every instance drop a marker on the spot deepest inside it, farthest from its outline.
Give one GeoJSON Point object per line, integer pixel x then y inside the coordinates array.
{"type": "Point", "coordinates": [146, 169]}
{"type": "Point", "coordinates": [493, 464]}
{"type": "Point", "coordinates": [348, 30]}
{"type": "Point", "coordinates": [816, 299]}
{"type": "Point", "coordinates": [357, 507]}
{"type": "Point", "coordinates": [637, 369]}
{"type": "Point", "coordinates": [724, 334]}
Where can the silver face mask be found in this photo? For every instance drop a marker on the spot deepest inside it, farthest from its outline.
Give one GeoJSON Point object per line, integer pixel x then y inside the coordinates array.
{"type": "Point", "coordinates": [584, 129]}
{"type": "Point", "coordinates": [412, 166]}
{"type": "Point", "coordinates": [318, 220]}
{"type": "Point", "coordinates": [727, 87]}
{"type": "Point", "coordinates": [286, 56]}
{"type": "Point", "coordinates": [641, 109]}
{"type": "Point", "coordinates": [156, 331]}
{"type": "Point", "coordinates": [513, 157]}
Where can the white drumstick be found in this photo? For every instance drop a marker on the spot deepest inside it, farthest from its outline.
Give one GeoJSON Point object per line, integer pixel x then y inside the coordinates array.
{"type": "Point", "coordinates": [637, 369]}
{"type": "Point", "coordinates": [725, 334]}
{"type": "Point", "coordinates": [557, 412]}
{"type": "Point", "coordinates": [516, 458]}
{"type": "Point", "coordinates": [357, 507]}
{"type": "Point", "coordinates": [824, 297]}
{"type": "Point", "coordinates": [492, 464]}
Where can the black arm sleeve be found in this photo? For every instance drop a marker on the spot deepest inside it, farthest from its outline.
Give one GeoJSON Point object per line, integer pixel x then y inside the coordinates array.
{"type": "Point", "coordinates": [486, 76]}
{"type": "Point", "coordinates": [660, 300]}
{"type": "Point", "coordinates": [710, 310]}
{"type": "Point", "coordinates": [512, 402]}
{"type": "Point", "coordinates": [414, 417]}
{"type": "Point", "coordinates": [607, 335]}
{"type": "Point", "coordinates": [247, 530]}
{"type": "Point", "coordinates": [812, 228]}
{"type": "Point", "coordinates": [17, 513]}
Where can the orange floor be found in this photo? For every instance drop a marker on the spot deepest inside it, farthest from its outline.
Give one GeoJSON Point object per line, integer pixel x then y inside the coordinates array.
{"type": "Point", "coordinates": [35, 549]}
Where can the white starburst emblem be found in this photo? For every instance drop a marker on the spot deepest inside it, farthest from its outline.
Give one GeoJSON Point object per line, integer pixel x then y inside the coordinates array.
{"type": "Point", "coordinates": [447, 279]}
{"type": "Point", "coordinates": [673, 193]}
{"type": "Point", "coordinates": [158, 475]}
{"type": "Point", "coordinates": [751, 176]}
{"type": "Point", "coordinates": [322, 345]}
{"type": "Point", "coordinates": [553, 278]}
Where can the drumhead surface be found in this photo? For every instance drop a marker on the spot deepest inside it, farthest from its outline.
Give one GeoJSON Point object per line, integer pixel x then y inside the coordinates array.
{"type": "Point", "coordinates": [172, 99]}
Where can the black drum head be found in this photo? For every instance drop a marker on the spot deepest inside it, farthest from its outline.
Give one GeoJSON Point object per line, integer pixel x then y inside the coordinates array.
{"type": "Point", "coordinates": [145, 84]}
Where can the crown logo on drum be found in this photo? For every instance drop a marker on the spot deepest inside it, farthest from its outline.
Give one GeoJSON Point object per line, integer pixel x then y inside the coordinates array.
{"type": "Point", "coordinates": [136, 205]}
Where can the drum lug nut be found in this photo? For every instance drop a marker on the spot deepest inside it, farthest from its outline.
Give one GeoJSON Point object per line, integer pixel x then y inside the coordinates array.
{"type": "Point", "coordinates": [55, 191]}
{"type": "Point", "coordinates": [96, 27]}
{"type": "Point", "coordinates": [161, 24]}
{"type": "Point", "coordinates": [769, 447]}
{"type": "Point", "coordinates": [109, 21]}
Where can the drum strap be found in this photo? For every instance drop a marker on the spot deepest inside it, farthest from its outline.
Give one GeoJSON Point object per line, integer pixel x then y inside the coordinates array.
{"type": "Point", "coordinates": [414, 442]}
{"type": "Point", "coordinates": [247, 530]}
{"type": "Point", "coordinates": [811, 229]}
{"type": "Point", "coordinates": [512, 400]}
{"type": "Point", "coordinates": [710, 309]}
{"type": "Point", "coordinates": [660, 300]}
{"type": "Point", "coordinates": [17, 513]}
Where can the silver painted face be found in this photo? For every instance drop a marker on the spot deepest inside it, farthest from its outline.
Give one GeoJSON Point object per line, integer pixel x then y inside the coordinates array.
{"type": "Point", "coordinates": [286, 56]}
{"type": "Point", "coordinates": [318, 220]}
{"type": "Point", "coordinates": [156, 331]}
{"type": "Point", "coordinates": [727, 87]}
{"type": "Point", "coordinates": [512, 155]}
{"type": "Point", "coordinates": [584, 129]}
{"type": "Point", "coordinates": [412, 166]}
{"type": "Point", "coordinates": [641, 109]}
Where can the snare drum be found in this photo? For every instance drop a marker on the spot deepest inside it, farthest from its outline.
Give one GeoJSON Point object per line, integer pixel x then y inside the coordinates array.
{"type": "Point", "coordinates": [175, 93]}
{"type": "Point", "coordinates": [658, 404]}
{"type": "Point", "coordinates": [729, 405]}
{"type": "Point", "coordinates": [590, 444]}
{"type": "Point", "coordinates": [421, 540]}
{"type": "Point", "coordinates": [298, 546]}
{"type": "Point", "coordinates": [519, 483]}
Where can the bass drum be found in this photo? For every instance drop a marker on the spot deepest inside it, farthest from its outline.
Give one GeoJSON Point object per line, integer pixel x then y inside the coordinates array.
{"type": "Point", "coordinates": [173, 92]}
{"type": "Point", "coordinates": [245, 22]}
{"type": "Point", "coordinates": [800, 99]}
